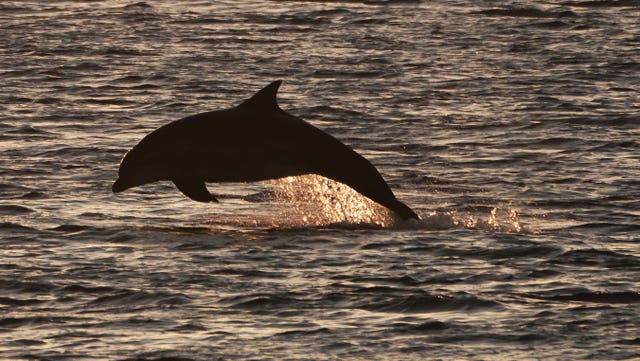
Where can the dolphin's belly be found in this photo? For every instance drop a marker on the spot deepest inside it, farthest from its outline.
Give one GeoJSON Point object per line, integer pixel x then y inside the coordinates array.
{"type": "Point", "coordinates": [242, 167]}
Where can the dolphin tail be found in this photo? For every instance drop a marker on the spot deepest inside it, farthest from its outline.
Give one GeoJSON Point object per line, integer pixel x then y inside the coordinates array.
{"type": "Point", "coordinates": [120, 185]}
{"type": "Point", "coordinates": [403, 210]}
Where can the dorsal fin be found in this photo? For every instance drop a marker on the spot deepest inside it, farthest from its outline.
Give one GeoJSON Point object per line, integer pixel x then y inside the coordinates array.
{"type": "Point", "coordinates": [265, 98]}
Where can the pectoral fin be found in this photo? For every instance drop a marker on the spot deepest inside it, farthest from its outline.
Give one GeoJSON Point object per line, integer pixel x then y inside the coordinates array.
{"type": "Point", "coordinates": [195, 189]}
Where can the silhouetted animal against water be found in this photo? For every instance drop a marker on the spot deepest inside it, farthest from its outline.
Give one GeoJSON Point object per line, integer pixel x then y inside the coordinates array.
{"type": "Point", "coordinates": [253, 141]}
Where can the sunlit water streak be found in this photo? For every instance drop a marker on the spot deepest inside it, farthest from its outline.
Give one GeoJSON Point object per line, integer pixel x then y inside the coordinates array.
{"type": "Point", "coordinates": [511, 128]}
{"type": "Point", "coordinates": [317, 201]}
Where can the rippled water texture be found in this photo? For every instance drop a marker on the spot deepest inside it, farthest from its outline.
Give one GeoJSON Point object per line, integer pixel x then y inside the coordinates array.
{"type": "Point", "coordinates": [512, 128]}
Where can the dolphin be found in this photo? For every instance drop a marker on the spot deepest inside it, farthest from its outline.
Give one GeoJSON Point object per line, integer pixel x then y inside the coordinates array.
{"type": "Point", "coordinates": [253, 141]}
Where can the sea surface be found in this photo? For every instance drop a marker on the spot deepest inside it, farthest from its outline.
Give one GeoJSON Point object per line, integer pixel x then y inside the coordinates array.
{"type": "Point", "coordinates": [511, 127]}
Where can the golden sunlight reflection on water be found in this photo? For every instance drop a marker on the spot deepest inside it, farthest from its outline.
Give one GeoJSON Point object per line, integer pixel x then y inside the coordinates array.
{"type": "Point", "coordinates": [322, 201]}
{"type": "Point", "coordinates": [318, 201]}
{"type": "Point", "coordinates": [315, 201]}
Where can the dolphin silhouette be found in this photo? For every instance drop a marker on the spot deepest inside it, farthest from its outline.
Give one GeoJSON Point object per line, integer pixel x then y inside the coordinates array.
{"type": "Point", "coordinates": [253, 141]}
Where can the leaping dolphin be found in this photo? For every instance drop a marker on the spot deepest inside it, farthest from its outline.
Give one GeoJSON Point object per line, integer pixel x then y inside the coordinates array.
{"type": "Point", "coordinates": [253, 141]}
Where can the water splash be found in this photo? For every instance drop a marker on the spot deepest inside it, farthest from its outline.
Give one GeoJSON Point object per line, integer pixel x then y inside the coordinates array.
{"type": "Point", "coordinates": [315, 201]}
{"type": "Point", "coordinates": [318, 201]}
{"type": "Point", "coordinates": [499, 219]}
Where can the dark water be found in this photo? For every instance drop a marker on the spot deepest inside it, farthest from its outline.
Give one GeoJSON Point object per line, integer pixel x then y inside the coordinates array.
{"type": "Point", "coordinates": [511, 127]}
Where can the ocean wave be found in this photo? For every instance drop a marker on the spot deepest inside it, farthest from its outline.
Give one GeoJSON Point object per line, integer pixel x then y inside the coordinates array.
{"type": "Point", "coordinates": [596, 257]}
{"type": "Point", "coordinates": [425, 303]}
{"type": "Point", "coordinates": [529, 12]}
{"type": "Point", "coordinates": [135, 299]}
{"type": "Point", "coordinates": [302, 333]}
{"type": "Point", "coordinates": [625, 297]}
{"type": "Point", "coordinates": [15, 302]}
{"type": "Point", "coordinates": [16, 227]}
{"type": "Point", "coordinates": [604, 3]}
{"type": "Point", "coordinates": [262, 302]}
{"type": "Point", "coordinates": [33, 321]}
{"type": "Point", "coordinates": [13, 209]}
